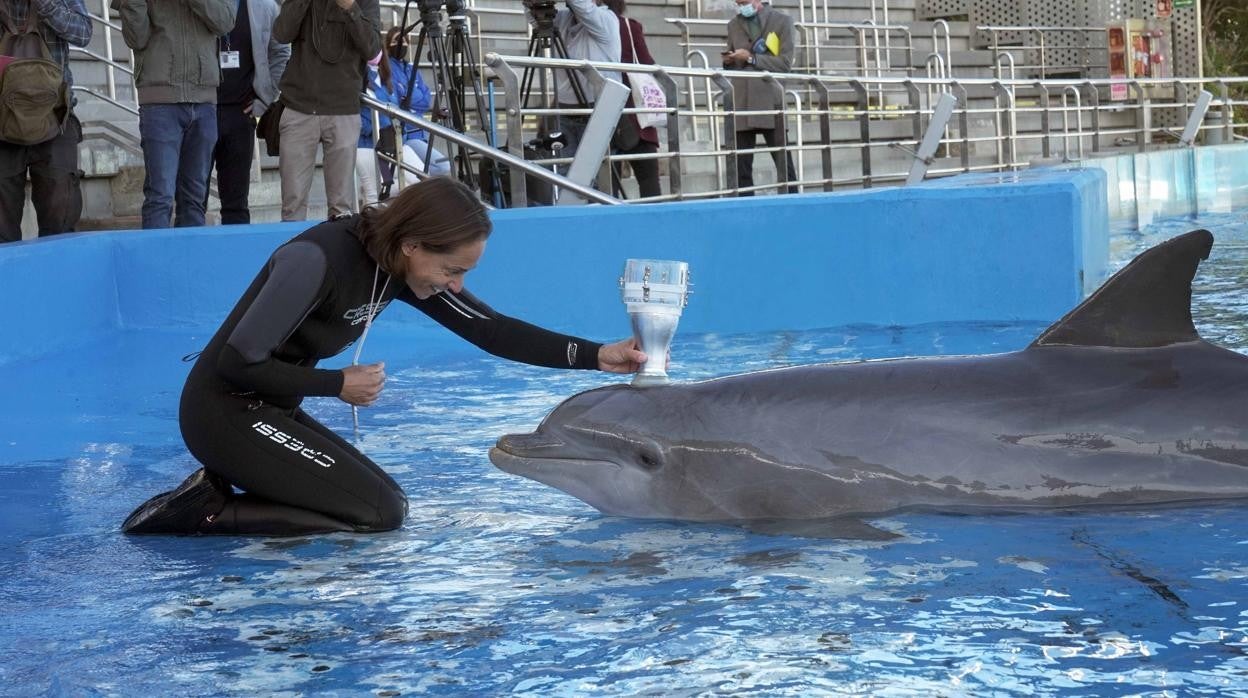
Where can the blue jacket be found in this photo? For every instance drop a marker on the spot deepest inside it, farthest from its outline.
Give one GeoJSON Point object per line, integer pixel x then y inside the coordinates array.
{"type": "Point", "coordinates": [378, 91]}
{"type": "Point", "coordinates": [400, 72]}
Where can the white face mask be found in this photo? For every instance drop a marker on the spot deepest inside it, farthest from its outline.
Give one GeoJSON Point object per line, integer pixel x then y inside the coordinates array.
{"type": "Point", "coordinates": [747, 11]}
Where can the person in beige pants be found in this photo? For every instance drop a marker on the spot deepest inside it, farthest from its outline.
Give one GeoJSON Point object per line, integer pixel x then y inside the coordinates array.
{"type": "Point", "coordinates": [331, 42]}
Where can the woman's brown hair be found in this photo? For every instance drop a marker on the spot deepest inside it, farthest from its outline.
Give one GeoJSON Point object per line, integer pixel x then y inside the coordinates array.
{"type": "Point", "coordinates": [387, 55]}
{"type": "Point", "coordinates": [439, 214]}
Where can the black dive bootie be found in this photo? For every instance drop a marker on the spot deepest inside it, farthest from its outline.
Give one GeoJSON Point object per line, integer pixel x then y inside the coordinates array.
{"type": "Point", "coordinates": [248, 515]}
{"type": "Point", "coordinates": [184, 511]}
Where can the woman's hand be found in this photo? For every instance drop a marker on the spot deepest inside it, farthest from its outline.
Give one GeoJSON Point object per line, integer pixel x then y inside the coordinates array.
{"type": "Point", "coordinates": [622, 357]}
{"type": "Point", "coordinates": [362, 384]}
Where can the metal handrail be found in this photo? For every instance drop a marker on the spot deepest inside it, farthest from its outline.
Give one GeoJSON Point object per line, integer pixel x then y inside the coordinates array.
{"type": "Point", "coordinates": [1072, 90]}
{"type": "Point", "coordinates": [1041, 45]}
{"type": "Point", "coordinates": [998, 61]}
{"type": "Point", "coordinates": [1006, 137]}
{"type": "Point", "coordinates": [948, 58]}
{"type": "Point", "coordinates": [799, 166]}
{"type": "Point", "coordinates": [482, 149]}
{"type": "Point", "coordinates": [106, 98]}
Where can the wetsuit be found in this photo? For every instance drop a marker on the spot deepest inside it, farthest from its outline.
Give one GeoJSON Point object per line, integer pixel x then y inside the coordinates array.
{"type": "Point", "coordinates": [240, 414]}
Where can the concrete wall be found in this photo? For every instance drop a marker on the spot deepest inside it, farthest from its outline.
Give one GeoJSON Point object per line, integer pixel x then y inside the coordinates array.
{"type": "Point", "coordinates": [972, 248]}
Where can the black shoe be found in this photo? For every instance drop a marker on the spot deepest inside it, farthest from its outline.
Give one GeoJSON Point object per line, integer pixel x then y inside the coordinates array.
{"type": "Point", "coordinates": [185, 510]}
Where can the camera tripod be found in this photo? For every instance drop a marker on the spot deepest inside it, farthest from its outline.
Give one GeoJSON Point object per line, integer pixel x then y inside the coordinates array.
{"type": "Point", "coordinates": [455, 76]}
{"type": "Point", "coordinates": [546, 42]}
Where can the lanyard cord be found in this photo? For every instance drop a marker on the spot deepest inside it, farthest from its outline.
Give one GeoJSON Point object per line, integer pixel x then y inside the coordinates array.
{"type": "Point", "coordinates": [373, 299]}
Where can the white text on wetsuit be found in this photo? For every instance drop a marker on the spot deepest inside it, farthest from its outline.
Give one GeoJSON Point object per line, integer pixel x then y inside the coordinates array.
{"type": "Point", "coordinates": [293, 444]}
{"type": "Point", "coordinates": [362, 313]}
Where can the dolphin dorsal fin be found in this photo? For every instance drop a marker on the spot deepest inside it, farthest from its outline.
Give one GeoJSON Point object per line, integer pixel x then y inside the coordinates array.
{"type": "Point", "coordinates": [1148, 303]}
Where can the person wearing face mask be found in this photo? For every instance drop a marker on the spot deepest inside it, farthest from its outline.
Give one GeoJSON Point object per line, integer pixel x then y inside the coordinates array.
{"type": "Point", "coordinates": [761, 38]}
{"type": "Point", "coordinates": [417, 151]}
{"type": "Point", "coordinates": [318, 294]}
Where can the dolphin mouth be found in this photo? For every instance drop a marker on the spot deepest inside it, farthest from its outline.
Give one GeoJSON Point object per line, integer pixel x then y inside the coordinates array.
{"type": "Point", "coordinates": [536, 468]}
{"type": "Point", "coordinates": [543, 458]}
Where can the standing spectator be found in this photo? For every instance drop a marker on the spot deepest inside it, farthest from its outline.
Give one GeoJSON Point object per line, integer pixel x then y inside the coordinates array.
{"type": "Point", "coordinates": [331, 42]}
{"type": "Point", "coordinates": [53, 164]}
{"type": "Point", "coordinates": [249, 80]}
{"type": "Point", "coordinates": [760, 37]}
{"type": "Point", "coordinates": [417, 152]}
{"type": "Point", "coordinates": [590, 32]}
{"type": "Point", "coordinates": [177, 71]}
{"type": "Point", "coordinates": [634, 50]}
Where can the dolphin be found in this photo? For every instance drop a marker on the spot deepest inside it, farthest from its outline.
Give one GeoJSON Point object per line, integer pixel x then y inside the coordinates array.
{"type": "Point", "coordinates": [1118, 404]}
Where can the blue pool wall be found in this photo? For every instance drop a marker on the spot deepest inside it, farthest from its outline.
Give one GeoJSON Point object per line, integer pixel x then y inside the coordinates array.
{"type": "Point", "coordinates": [1142, 188]}
{"type": "Point", "coordinates": [1023, 246]}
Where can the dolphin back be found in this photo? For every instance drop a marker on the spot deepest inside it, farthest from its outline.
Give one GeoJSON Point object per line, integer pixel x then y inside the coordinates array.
{"type": "Point", "coordinates": [1148, 303]}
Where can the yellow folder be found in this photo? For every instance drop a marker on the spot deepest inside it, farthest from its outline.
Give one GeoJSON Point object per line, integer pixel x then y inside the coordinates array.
{"type": "Point", "coordinates": [773, 43]}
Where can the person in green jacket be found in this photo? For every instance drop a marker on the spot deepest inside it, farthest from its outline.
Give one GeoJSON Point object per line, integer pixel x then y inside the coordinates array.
{"type": "Point", "coordinates": [177, 67]}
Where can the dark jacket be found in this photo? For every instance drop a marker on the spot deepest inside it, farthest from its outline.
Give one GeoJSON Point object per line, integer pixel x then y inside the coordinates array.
{"type": "Point", "coordinates": [638, 40]}
{"type": "Point", "coordinates": [175, 47]}
{"type": "Point", "coordinates": [330, 48]}
{"type": "Point", "coordinates": [755, 94]}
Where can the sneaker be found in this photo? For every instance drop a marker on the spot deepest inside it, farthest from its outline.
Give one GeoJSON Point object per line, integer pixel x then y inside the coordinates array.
{"type": "Point", "coordinates": [184, 510]}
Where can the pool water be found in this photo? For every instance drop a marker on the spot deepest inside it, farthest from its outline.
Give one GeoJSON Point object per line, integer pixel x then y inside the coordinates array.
{"type": "Point", "coordinates": [498, 584]}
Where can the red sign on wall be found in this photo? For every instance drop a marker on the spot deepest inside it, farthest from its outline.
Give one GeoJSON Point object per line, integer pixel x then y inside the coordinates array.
{"type": "Point", "coordinates": [1165, 8]}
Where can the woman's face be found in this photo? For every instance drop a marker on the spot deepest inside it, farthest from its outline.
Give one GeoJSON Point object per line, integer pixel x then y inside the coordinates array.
{"type": "Point", "coordinates": [430, 273]}
{"type": "Point", "coordinates": [396, 46]}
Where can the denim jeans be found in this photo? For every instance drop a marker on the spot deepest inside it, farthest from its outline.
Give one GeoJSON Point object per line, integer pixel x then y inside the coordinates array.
{"type": "Point", "coordinates": [177, 153]}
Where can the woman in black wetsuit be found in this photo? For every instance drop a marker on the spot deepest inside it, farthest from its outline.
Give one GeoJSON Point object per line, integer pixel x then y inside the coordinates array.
{"type": "Point", "coordinates": [317, 294]}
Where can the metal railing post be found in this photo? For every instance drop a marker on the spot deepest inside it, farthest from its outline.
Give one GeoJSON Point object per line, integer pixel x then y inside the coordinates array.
{"type": "Point", "coordinates": [800, 166]}
{"type": "Point", "coordinates": [1094, 103]}
{"type": "Point", "coordinates": [515, 123]}
{"type": "Point", "coordinates": [1006, 145]}
{"type": "Point", "coordinates": [825, 130]}
{"type": "Point", "coordinates": [1046, 147]}
{"type": "Point", "coordinates": [671, 89]}
{"type": "Point", "coordinates": [1072, 90]}
{"type": "Point", "coordinates": [730, 131]}
{"type": "Point", "coordinates": [864, 123]}
{"type": "Point", "coordinates": [964, 125]}
{"type": "Point", "coordinates": [1143, 116]}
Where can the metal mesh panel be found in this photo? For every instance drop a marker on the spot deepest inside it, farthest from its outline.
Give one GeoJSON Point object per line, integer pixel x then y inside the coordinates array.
{"type": "Point", "coordinates": [1000, 13]}
{"type": "Point", "coordinates": [939, 9]}
{"type": "Point", "coordinates": [1065, 52]}
{"type": "Point", "coordinates": [1187, 42]}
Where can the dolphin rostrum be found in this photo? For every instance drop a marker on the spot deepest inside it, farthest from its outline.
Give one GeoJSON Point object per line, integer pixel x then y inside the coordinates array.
{"type": "Point", "coordinates": [1119, 403]}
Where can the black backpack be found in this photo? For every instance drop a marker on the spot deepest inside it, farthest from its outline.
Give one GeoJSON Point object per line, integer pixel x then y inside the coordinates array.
{"type": "Point", "coordinates": [34, 98]}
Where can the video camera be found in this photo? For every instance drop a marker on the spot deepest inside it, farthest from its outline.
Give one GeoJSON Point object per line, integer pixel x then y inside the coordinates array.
{"type": "Point", "coordinates": [429, 9]}
{"type": "Point", "coordinates": [543, 12]}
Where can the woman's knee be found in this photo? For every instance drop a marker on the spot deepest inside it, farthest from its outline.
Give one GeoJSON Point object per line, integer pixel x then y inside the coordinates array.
{"type": "Point", "coordinates": [391, 510]}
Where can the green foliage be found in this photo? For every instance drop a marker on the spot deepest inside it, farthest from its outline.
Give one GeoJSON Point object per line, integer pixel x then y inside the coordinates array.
{"type": "Point", "coordinates": [1224, 28]}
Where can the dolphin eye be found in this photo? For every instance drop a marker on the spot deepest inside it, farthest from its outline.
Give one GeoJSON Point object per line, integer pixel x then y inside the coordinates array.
{"type": "Point", "coordinates": [649, 460]}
